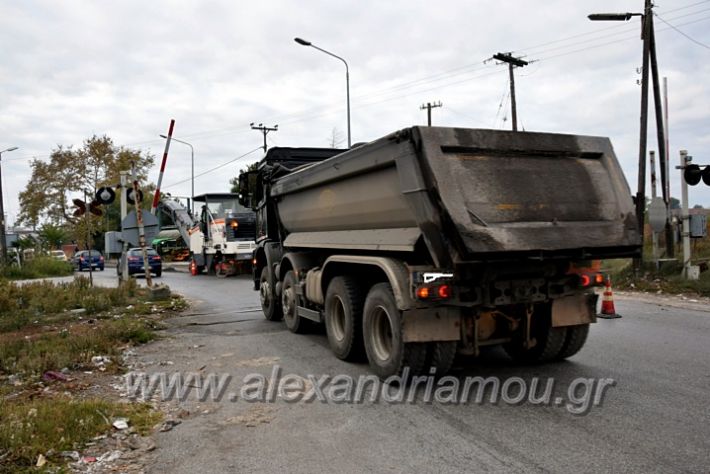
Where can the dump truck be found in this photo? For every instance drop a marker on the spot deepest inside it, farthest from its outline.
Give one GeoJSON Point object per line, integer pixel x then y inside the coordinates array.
{"type": "Point", "coordinates": [433, 241]}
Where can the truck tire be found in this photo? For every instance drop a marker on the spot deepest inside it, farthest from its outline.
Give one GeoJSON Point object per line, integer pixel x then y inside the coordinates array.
{"type": "Point", "coordinates": [289, 302]}
{"type": "Point", "coordinates": [548, 347]}
{"type": "Point", "coordinates": [343, 318]}
{"type": "Point", "coordinates": [440, 356]}
{"type": "Point", "coordinates": [270, 304]}
{"type": "Point", "coordinates": [386, 351]}
{"type": "Point", "coordinates": [576, 337]}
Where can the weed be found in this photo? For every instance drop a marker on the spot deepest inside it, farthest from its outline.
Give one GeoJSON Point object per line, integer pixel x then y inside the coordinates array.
{"type": "Point", "coordinates": [38, 267]}
{"type": "Point", "coordinates": [49, 425]}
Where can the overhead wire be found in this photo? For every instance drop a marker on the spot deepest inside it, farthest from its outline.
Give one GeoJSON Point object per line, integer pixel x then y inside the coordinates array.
{"type": "Point", "coordinates": [392, 93]}
{"type": "Point", "coordinates": [682, 33]}
{"type": "Point", "coordinates": [215, 168]}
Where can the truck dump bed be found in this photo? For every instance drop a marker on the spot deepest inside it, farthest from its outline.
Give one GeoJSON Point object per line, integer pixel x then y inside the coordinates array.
{"type": "Point", "coordinates": [468, 193]}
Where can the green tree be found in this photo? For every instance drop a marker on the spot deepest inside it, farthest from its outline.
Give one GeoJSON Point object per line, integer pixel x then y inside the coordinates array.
{"type": "Point", "coordinates": [71, 172]}
{"type": "Point", "coordinates": [52, 236]}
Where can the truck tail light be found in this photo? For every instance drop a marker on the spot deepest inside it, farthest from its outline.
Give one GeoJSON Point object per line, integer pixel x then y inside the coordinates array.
{"type": "Point", "coordinates": [437, 292]}
{"type": "Point", "coordinates": [591, 279]}
{"type": "Point", "coordinates": [423, 292]}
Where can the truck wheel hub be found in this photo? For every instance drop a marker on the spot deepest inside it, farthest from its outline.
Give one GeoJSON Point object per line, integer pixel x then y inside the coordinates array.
{"type": "Point", "coordinates": [337, 320]}
{"type": "Point", "coordinates": [265, 293]}
{"type": "Point", "coordinates": [382, 334]}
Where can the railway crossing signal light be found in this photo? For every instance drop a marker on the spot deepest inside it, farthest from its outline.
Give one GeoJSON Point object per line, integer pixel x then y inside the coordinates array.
{"type": "Point", "coordinates": [129, 196]}
{"type": "Point", "coordinates": [105, 195]}
{"type": "Point", "coordinates": [693, 174]}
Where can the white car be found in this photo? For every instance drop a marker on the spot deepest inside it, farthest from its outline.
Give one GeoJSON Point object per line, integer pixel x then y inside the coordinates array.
{"type": "Point", "coordinates": [58, 255]}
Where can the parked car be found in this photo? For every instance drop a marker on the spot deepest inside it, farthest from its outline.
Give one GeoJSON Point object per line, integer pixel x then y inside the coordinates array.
{"type": "Point", "coordinates": [58, 255]}
{"type": "Point", "coordinates": [85, 259]}
{"type": "Point", "coordinates": [135, 262]}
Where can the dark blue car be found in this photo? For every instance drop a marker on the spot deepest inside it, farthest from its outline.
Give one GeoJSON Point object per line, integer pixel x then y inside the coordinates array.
{"type": "Point", "coordinates": [135, 262]}
{"type": "Point", "coordinates": [85, 259]}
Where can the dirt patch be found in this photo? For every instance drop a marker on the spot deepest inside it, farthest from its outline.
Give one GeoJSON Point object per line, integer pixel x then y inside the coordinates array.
{"type": "Point", "coordinates": [256, 415]}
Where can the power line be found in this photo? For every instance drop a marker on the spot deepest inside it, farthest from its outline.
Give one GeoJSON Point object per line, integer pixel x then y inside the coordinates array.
{"type": "Point", "coordinates": [215, 168]}
{"type": "Point", "coordinates": [682, 33]}
{"type": "Point", "coordinates": [442, 76]}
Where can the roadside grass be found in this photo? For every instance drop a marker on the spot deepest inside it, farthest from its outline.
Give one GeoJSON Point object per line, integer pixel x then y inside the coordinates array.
{"type": "Point", "coordinates": [21, 305]}
{"type": "Point", "coordinates": [38, 267]}
{"type": "Point", "coordinates": [72, 346]}
{"type": "Point", "coordinates": [59, 327]}
{"type": "Point", "coordinates": [667, 279]}
{"type": "Point", "coordinates": [50, 425]}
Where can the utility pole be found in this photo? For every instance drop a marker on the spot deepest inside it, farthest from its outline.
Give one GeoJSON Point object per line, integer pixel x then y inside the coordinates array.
{"type": "Point", "coordinates": [649, 54]}
{"type": "Point", "coordinates": [641, 187]}
{"type": "Point", "coordinates": [3, 239]}
{"type": "Point", "coordinates": [428, 106]}
{"type": "Point", "coordinates": [654, 234]}
{"type": "Point", "coordinates": [660, 122]}
{"type": "Point", "coordinates": [264, 130]}
{"type": "Point", "coordinates": [670, 240]}
{"type": "Point", "coordinates": [512, 62]}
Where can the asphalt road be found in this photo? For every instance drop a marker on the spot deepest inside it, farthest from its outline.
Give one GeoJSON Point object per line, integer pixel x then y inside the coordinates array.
{"type": "Point", "coordinates": [656, 418]}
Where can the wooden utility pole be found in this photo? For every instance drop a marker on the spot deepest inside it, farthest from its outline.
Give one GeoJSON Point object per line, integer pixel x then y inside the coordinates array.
{"type": "Point", "coordinates": [264, 130]}
{"type": "Point", "coordinates": [428, 106]}
{"type": "Point", "coordinates": [512, 62]}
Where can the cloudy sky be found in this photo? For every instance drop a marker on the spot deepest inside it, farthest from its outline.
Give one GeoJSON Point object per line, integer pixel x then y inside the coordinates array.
{"type": "Point", "coordinates": [72, 69]}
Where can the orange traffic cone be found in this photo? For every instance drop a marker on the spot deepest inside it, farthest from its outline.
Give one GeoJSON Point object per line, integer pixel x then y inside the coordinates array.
{"type": "Point", "coordinates": [608, 311]}
{"type": "Point", "coordinates": [193, 268]}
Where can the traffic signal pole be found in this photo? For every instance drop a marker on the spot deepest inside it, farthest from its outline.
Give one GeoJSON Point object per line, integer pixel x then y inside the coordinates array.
{"type": "Point", "coordinates": [87, 218]}
{"type": "Point", "coordinates": [141, 229]}
{"type": "Point", "coordinates": [685, 216]}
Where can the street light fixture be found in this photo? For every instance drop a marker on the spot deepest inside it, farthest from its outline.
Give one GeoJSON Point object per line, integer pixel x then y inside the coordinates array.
{"type": "Point", "coordinates": [303, 42]}
{"type": "Point", "coordinates": [192, 162]}
{"type": "Point", "coordinates": [3, 239]}
{"type": "Point", "coordinates": [649, 54]}
{"type": "Point", "coordinates": [612, 16]}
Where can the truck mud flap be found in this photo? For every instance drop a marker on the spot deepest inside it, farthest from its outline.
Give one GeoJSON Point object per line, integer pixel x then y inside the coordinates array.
{"type": "Point", "coordinates": [574, 310]}
{"type": "Point", "coordinates": [431, 324]}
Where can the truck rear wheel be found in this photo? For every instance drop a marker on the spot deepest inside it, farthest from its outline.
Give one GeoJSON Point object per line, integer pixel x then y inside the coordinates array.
{"type": "Point", "coordinates": [440, 356]}
{"type": "Point", "coordinates": [576, 337]}
{"type": "Point", "coordinates": [548, 346]}
{"type": "Point", "coordinates": [289, 303]}
{"type": "Point", "coordinates": [386, 350]}
{"type": "Point", "coordinates": [270, 304]}
{"type": "Point", "coordinates": [343, 318]}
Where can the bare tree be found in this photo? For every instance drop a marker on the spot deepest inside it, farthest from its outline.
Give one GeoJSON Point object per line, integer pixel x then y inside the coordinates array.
{"type": "Point", "coordinates": [336, 138]}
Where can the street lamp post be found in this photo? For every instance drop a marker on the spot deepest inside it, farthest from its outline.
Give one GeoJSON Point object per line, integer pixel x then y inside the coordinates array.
{"type": "Point", "coordinates": [347, 76]}
{"type": "Point", "coordinates": [3, 239]}
{"type": "Point", "coordinates": [649, 54]}
{"type": "Point", "coordinates": [192, 164]}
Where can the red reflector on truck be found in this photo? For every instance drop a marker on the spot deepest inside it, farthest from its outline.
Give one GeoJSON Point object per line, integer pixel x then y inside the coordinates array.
{"type": "Point", "coordinates": [444, 291]}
